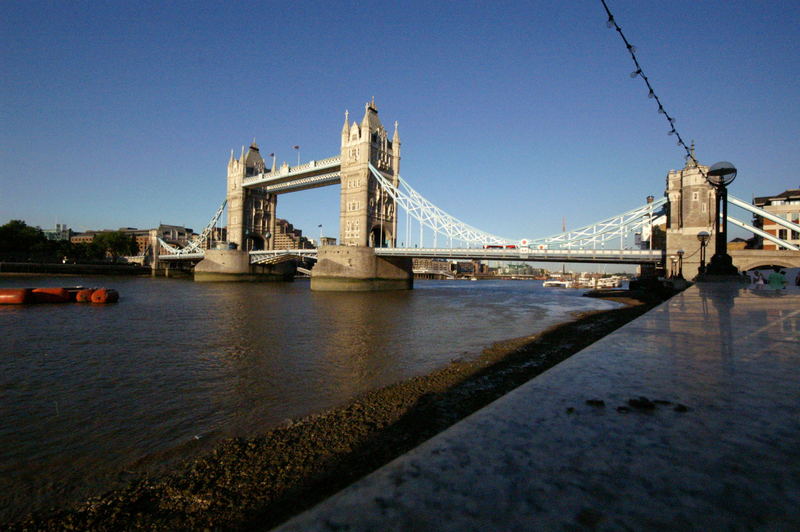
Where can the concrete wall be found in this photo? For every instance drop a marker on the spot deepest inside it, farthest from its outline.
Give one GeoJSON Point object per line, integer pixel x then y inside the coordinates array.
{"type": "Point", "coordinates": [357, 268]}
{"type": "Point", "coordinates": [234, 265]}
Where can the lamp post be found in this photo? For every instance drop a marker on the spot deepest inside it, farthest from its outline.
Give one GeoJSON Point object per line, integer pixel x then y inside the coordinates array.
{"type": "Point", "coordinates": [674, 260]}
{"type": "Point", "coordinates": [298, 154]}
{"type": "Point", "coordinates": [680, 263]}
{"type": "Point", "coordinates": [719, 176]}
{"type": "Point", "coordinates": [703, 237]}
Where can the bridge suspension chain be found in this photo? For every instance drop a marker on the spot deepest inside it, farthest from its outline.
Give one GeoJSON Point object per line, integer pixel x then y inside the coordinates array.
{"type": "Point", "coordinates": [599, 233]}
{"type": "Point", "coordinates": [618, 226]}
{"type": "Point", "coordinates": [195, 246]}
{"type": "Point", "coordinates": [431, 216]}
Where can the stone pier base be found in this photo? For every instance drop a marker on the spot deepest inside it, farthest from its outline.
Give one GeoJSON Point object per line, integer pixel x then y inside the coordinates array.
{"type": "Point", "coordinates": [350, 268]}
{"type": "Point", "coordinates": [234, 265]}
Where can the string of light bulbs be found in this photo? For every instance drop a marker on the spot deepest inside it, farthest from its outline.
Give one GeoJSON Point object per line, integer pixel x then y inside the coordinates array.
{"type": "Point", "coordinates": [638, 72]}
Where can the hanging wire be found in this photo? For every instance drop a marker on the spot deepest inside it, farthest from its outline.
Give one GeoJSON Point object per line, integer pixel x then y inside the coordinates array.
{"type": "Point", "coordinates": [612, 23]}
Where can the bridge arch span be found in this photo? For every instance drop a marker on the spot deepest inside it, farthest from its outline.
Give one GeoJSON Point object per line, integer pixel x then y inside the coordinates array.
{"type": "Point", "coordinates": [748, 259]}
{"type": "Point", "coordinates": [254, 242]}
{"type": "Point", "coordinates": [380, 236]}
{"type": "Point", "coordinates": [766, 264]}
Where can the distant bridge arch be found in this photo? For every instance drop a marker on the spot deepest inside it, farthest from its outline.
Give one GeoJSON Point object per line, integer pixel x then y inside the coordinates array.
{"type": "Point", "coordinates": [749, 259]}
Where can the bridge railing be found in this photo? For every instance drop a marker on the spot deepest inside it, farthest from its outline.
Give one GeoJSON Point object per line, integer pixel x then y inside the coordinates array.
{"type": "Point", "coordinates": [279, 255]}
{"type": "Point", "coordinates": [628, 256]}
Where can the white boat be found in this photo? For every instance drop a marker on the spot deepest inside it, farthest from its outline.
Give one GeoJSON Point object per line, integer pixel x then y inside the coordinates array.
{"type": "Point", "coordinates": [555, 283]}
{"type": "Point", "coordinates": [609, 282]}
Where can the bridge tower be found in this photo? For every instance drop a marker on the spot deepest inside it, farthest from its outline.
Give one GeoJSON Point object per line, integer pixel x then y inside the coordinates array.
{"type": "Point", "coordinates": [691, 210]}
{"type": "Point", "coordinates": [368, 216]}
{"type": "Point", "coordinates": [251, 212]}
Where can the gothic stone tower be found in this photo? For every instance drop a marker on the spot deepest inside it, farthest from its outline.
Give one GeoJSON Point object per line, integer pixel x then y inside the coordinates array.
{"type": "Point", "coordinates": [251, 212]}
{"type": "Point", "coordinates": [368, 214]}
{"type": "Point", "coordinates": [691, 210]}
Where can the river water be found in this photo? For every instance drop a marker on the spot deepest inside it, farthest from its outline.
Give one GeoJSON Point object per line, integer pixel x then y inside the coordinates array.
{"type": "Point", "coordinates": [91, 394]}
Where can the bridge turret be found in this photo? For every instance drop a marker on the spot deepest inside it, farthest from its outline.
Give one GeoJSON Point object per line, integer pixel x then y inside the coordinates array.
{"type": "Point", "coordinates": [367, 212]}
{"type": "Point", "coordinates": [346, 127]}
{"type": "Point", "coordinates": [251, 212]}
{"type": "Point", "coordinates": [691, 210]}
{"type": "Point", "coordinates": [396, 151]}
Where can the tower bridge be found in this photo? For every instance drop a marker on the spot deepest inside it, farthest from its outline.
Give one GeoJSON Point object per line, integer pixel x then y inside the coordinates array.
{"type": "Point", "coordinates": [373, 192]}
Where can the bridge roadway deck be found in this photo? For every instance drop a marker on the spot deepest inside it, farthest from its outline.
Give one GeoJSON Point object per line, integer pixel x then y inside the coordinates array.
{"type": "Point", "coordinates": [732, 461]}
{"type": "Point", "coordinates": [622, 256]}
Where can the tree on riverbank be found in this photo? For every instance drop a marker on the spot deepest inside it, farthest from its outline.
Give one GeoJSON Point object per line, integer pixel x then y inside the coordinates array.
{"type": "Point", "coordinates": [20, 242]}
{"type": "Point", "coordinates": [116, 243]}
{"type": "Point", "coordinates": [16, 235]}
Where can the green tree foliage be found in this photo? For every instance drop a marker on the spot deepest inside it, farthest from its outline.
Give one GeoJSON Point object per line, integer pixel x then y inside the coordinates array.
{"type": "Point", "coordinates": [17, 236]}
{"type": "Point", "coordinates": [21, 242]}
{"type": "Point", "coordinates": [116, 243]}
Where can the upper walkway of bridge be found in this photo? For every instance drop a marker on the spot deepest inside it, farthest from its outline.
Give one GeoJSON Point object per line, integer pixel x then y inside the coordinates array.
{"type": "Point", "coordinates": [301, 177]}
{"type": "Point", "coordinates": [731, 460]}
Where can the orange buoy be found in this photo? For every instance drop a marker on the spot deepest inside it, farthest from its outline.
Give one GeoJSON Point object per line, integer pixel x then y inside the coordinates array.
{"type": "Point", "coordinates": [73, 292]}
{"type": "Point", "coordinates": [105, 295]}
{"type": "Point", "coordinates": [85, 295]}
{"type": "Point", "coordinates": [15, 296]}
{"type": "Point", "coordinates": [50, 295]}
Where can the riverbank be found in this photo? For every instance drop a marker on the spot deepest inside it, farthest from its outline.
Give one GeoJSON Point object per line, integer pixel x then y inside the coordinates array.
{"type": "Point", "coordinates": [264, 480]}
{"type": "Point", "coordinates": [41, 268]}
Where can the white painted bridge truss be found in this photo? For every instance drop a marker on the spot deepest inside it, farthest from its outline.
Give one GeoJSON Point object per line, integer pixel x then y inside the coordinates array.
{"type": "Point", "coordinates": [603, 241]}
{"type": "Point", "coordinates": [194, 249]}
{"type": "Point", "coordinates": [593, 236]}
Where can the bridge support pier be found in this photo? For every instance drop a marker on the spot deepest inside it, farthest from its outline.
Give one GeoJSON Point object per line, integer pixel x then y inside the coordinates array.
{"type": "Point", "coordinates": [359, 269]}
{"type": "Point", "coordinates": [234, 265]}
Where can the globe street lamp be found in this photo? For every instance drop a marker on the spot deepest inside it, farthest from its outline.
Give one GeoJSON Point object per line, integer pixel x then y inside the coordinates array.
{"type": "Point", "coordinates": [703, 237]}
{"type": "Point", "coordinates": [719, 176]}
{"type": "Point", "coordinates": [680, 253]}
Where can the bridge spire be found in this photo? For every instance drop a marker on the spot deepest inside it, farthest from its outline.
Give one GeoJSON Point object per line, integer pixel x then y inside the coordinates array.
{"type": "Point", "coordinates": [691, 160]}
{"type": "Point", "coordinates": [396, 136]}
{"type": "Point", "coordinates": [346, 127]}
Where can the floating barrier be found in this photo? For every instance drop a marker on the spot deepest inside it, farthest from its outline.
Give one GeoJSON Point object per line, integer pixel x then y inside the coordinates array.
{"type": "Point", "coordinates": [21, 296]}
{"type": "Point", "coordinates": [105, 295]}
{"type": "Point", "coordinates": [84, 295]}
{"type": "Point", "coordinates": [50, 295]}
{"type": "Point", "coordinates": [15, 296]}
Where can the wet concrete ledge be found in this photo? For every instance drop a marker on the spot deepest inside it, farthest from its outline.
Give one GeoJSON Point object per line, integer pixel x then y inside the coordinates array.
{"type": "Point", "coordinates": [686, 418]}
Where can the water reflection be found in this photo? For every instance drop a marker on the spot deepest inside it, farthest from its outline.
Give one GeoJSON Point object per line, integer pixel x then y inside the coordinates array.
{"type": "Point", "coordinates": [89, 391]}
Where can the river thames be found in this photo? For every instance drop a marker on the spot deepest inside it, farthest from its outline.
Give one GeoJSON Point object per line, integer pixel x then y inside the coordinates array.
{"type": "Point", "coordinates": [92, 395]}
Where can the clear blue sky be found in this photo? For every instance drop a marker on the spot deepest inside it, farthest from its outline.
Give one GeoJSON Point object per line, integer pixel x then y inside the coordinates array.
{"type": "Point", "coordinates": [512, 115]}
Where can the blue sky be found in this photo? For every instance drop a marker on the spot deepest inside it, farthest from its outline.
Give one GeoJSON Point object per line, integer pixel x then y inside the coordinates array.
{"type": "Point", "coordinates": [513, 115]}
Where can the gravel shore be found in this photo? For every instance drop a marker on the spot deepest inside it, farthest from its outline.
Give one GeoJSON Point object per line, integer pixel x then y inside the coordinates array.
{"type": "Point", "coordinates": [260, 482]}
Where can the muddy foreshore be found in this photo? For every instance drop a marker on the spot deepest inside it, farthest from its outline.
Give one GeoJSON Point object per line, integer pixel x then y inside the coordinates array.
{"type": "Point", "coordinates": [262, 481]}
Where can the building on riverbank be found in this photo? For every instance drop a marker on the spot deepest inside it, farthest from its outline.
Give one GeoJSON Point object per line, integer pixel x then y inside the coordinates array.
{"type": "Point", "coordinates": [784, 205]}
